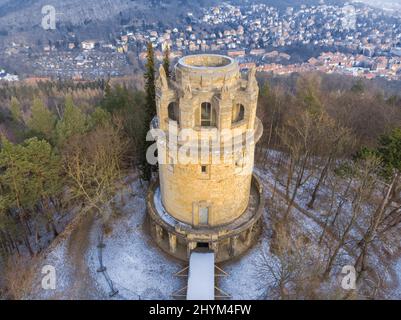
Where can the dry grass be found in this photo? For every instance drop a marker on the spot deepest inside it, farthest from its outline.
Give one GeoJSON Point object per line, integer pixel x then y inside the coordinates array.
{"type": "Point", "coordinates": [19, 274]}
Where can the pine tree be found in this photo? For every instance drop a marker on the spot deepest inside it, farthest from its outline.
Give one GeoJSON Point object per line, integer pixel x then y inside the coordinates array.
{"type": "Point", "coordinates": [42, 120]}
{"type": "Point", "coordinates": [15, 108]}
{"type": "Point", "coordinates": [99, 117]}
{"type": "Point", "coordinates": [74, 121]}
{"type": "Point", "coordinates": [107, 89]}
{"type": "Point", "coordinates": [150, 107]}
{"type": "Point", "coordinates": [150, 76]}
{"type": "Point", "coordinates": [166, 61]}
{"type": "Point", "coordinates": [308, 91]}
{"type": "Point", "coordinates": [390, 152]}
{"type": "Point", "coordinates": [31, 174]}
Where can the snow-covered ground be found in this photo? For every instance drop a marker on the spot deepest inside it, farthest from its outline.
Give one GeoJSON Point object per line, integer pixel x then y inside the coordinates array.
{"type": "Point", "coordinates": [55, 258]}
{"type": "Point", "coordinates": [384, 260]}
{"type": "Point", "coordinates": [243, 282]}
{"type": "Point", "coordinates": [137, 268]}
{"type": "Point", "coordinates": [397, 268]}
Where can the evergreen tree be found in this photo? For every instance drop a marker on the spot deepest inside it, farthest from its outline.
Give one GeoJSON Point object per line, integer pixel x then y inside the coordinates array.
{"type": "Point", "coordinates": [117, 99]}
{"type": "Point", "coordinates": [15, 108]}
{"type": "Point", "coordinates": [31, 172]}
{"type": "Point", "coordinates": [150, 76]}
{"type": "Point", "coordinates": [166, 61]}
{"type": "Point", "coordinates": [99, 117]}
{"type": "Point", "coordinates": [150, 107]}
{"type": "Point", "coordinates": [308, 91]}
{"type": "Point", "coordinates": [390, 152]}
{"type": "Point", "coordinates": [30, 175]}
{"type": "Point", "coordinates": [42, 119]}
{"type": "Point", "coordinates": [74, 121]}
{"type": "Point", "coordinates": [128, 106]}
{"type": "Point", "coordinates": [358, 87]}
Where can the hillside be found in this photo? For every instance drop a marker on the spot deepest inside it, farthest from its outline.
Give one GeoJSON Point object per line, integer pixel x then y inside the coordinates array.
{"type": "Point", "coordinates": [20, 20]}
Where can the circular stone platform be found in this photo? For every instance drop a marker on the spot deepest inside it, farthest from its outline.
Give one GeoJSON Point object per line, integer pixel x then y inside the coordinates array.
{"type": "Point", "coordinates": [227, 241]}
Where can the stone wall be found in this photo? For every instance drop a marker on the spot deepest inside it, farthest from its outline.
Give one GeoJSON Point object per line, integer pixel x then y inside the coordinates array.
{"type": "Point", "coordinates": [222, 188]}
{"type": "Point", "coordinates": [227, 242]}
{"type": "Point", "coordinates": [185, 188]}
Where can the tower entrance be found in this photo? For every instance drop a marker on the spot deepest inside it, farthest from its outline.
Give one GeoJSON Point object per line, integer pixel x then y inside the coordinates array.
{"type": "Point", "coordinates": [202, 245]}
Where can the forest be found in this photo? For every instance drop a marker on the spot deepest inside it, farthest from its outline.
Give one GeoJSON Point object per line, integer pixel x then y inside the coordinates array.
{"type": "Point", "coordinates": [331, 151]}
{"type": "Point", "coordinates": [333, 155]}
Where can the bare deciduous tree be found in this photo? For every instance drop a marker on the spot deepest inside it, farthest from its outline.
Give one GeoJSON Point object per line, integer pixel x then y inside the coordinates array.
{"type": "Point", "coordinates": [93, 164]}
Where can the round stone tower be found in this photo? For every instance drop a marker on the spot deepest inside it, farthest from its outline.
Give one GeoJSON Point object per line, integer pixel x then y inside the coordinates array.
{"type": "Point", "coordinates": [207, 195]}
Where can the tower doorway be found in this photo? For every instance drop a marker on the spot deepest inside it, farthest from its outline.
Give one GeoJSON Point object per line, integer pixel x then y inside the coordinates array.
{"type": "Point", "coordinates": [202, 245]}
{"type": "Point", "coordinates": [203, 216]}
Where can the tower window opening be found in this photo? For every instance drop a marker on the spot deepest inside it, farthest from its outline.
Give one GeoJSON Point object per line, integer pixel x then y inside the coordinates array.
{"type": "Point", "coordinates": [238, 113]}
{"type": "Point", "coordinates": [173, 111]}
{"type": "Point", "coordinates": [208, 115]}
{"type": "Point", "coordinates": [204, 169]}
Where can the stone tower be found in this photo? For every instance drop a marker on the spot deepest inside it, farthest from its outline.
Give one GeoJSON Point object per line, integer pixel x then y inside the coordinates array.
{"type": "Point", "coordinates": [207, 195]}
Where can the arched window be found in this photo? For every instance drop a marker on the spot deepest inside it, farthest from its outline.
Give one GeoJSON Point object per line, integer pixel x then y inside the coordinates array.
{"type": "Point", "coordinates": [238, 113]}
{"type": "Point", "coordinates": [173, 111]}
{"type": "Point", "coordinates": [208, 115]}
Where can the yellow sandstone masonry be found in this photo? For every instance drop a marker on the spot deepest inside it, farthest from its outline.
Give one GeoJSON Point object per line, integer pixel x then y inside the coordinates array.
{"type": "Point", "coordinates": [207, 94]}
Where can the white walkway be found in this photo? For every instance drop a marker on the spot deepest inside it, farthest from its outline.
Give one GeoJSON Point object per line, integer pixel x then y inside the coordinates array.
{"type": "Point", "coordinates": [201, 276]}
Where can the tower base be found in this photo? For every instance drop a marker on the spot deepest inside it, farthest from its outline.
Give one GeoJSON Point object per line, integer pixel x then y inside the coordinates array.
{"type": "Point", "coordinates": [227, 241]}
